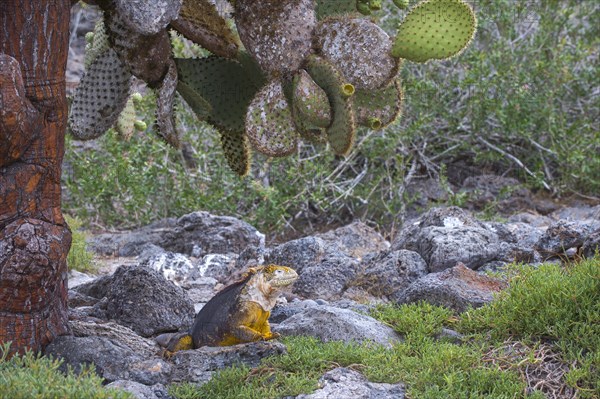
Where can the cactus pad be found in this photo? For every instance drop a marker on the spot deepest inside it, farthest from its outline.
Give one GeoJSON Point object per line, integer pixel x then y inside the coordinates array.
{"type": "Point", "coordinates": [359, 48]}
{"type": "Point", "coordinates": [376, 109]}
{"type": "Point", "coordinates": [326, 8]}
{"type": "Point", "coordinates": [340, 134]}
{"type": "Point", "coordinates": [310, 101]}
{"type": "Point", "coordinates": [148, 17]}
{"type": "Point", "coordinates": [435, 29]}
{"type": "Point", "coordinates": [227, 85]}
{"type": "Point", "coordinates": [197, 103]}
{"type": "Point", "coordinates": [200, 22]}
{"type": "Point", "coordinates": [277, 33]}
{"type": "Point", "coordinates": [100, 97]}
{"type": "Point", "coordinates": [237, 151]}
{"type": "Point", "coordinates": [269, 124]}
{"type": "Point", "coordinates": [164, 107]}
{"type": "Point", "coordinates": [146, 56]}
{"type": "Point", "coordinates": [125, 123]}
{"type": "Point", "coordinates": [98, 44]}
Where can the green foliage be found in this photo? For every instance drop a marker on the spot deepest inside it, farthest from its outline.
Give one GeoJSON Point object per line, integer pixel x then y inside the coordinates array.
{"type": "Point", "coordinates": [79, 257]}
{"type": "Point", "coordinates": [554, 304]}
{"type": "Point", "coordinates": [560, 307]}
{"type": "Point", "coordinates": [421, 319]}
{"type": "Point", "coordinates": [35, 376]}
{"type": "Point", "coordinates": [536, 104]}
{"type": "Point", "coordinates": [435, 29]}
{"type": "Point", "coordinates": [429, 368]}
{"type": "Point", "coordinates": [525, 85]}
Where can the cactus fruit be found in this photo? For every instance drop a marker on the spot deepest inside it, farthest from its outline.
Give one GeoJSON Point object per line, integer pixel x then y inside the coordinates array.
{"type": "Point", "coordinates": [310, 101]}
{"type": "Point", "coordinates": [137, 98]}
{"type": "Point", "coordinates": [359, 48]}
{"type": "Point", "coordinates": [100, 97]}
{"type": "Point", "coordinates": [269, 124]}
{"type": "Point", "coordinates": [435, 29]}
{"type": "Point", "coordinates": [340, 134]}
{"type": "Point", "coordinates": [375, 5]}
{"type": "Point", "coordinates": [200, 22]}
{"type": "Point", "coordinates": [140, 125]}
{"type": "Point", "coordinates": [376, 109]}
{"type": "Point", "coordinates": [237, 151]}
{"type": "Point", "coordinates": [401, 4]}
{"type": "Point", "coordinates": [277, 33]}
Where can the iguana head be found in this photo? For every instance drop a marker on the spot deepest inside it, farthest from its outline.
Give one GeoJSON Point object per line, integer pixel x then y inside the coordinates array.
{"type": "Point", "coordinates": [277, 276]}
{"type": "Point", "coordinates": [265, 283]}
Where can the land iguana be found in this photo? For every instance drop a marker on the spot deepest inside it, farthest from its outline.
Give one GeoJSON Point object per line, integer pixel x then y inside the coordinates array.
{"type": "Point", "coordinates": [239, 313]}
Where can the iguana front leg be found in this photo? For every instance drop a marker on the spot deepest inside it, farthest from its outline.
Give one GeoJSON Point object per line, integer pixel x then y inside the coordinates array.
{"type": "Point", "coordinates": [252, 323]}
{"type": "Point", "coordinates": [246, 334]}
{"type": "Point", "coordinates": [267, 334]}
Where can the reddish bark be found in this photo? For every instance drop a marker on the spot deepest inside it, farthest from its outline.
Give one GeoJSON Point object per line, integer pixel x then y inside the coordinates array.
{"type": "Point", "coordinates": [34, 238]}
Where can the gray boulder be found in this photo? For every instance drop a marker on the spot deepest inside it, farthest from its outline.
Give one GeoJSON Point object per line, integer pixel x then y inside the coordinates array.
{"type": "Point", "coordinates": [218, 266]}
{"type": "Point", "coordinates": [111, 359]}
{"type": "Point", "coordinates": [196, 234]}
{"type": "Point", "coordinates": [131, 243]}
{"type": "Point", "coordinates": [141, 391]}
{"type": "Point", "coordinates": [591, 246]}
{"type": "Point", "coordinates": [201, 233]}
{"type": "Point", "coordinates": [561, 236]}
{"type": "Point", "coordinates": [198, 365]}
{"type": "Point", "coordinates": [345, 383]}
{"type": "Point", "coordinates": [323, 269]}
{"type": "Point", "coordinates": [328, 279]}
{"type": "Point", "coordinates": [583, 214]}
{"type": "Point", "coordinates": [77, 278]}
{"type": "Point", "coordinates": [175, 267]}
{"type": "Point", "coordinates": [445, 236]}
{"type": "Point", "coordinates": [456, 288]}
{"type": "Point", "coordinates": [96, 288]}
{"type": "Point", "coordinates": [116, 333]}
{"type": "Point", "coordinates": [298, 254]}
{"type": "Point", "coordinates": [283, 312]}
{"type": "Point", "coordinates": [355, 240]}
{"type": "Point", "coordinates": [532, 219]}
{"type": "Point", "coordinates": [143, 300]}
{"type": "Point", "coordinates": [389, 271]}
{"type": "Point", "coordinates": [333, 324]}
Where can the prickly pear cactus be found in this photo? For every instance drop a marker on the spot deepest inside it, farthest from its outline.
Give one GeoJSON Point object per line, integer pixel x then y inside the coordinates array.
{"type": "Point", "coordinates": [288, 70]}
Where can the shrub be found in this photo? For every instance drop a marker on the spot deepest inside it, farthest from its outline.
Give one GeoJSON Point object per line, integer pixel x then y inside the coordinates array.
{"type": "Point", "coordinates": [79, 257]}
{"type": "Point", "coordinates": [35, 376]}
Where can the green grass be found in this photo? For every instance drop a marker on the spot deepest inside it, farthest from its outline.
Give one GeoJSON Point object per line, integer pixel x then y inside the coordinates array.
{"type": "Point", "coordinates": [551, 304]}
{"type": "Point", "coordinates": [33, 376]}
{"type": "Point", "coordinates": [544, 311]}
{"type": "Point", "coordinates": [79, 257]}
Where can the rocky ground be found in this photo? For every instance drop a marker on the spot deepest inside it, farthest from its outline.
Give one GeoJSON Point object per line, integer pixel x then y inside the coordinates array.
{"type": "Point", "coordinates": [155, 278]}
